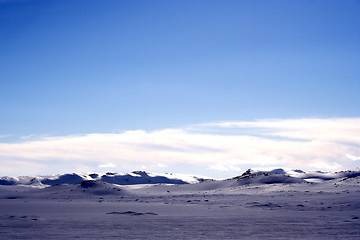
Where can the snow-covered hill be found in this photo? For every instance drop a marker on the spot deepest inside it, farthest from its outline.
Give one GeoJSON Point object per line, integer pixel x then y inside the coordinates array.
{"type": "Point", "coordinates": [311, 176]}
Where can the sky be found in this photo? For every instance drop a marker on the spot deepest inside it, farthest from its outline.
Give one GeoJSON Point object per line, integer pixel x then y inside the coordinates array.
{"type": "Point", "coordinates": [204, 87]}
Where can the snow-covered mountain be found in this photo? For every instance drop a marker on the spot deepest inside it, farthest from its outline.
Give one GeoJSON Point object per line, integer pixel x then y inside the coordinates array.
{"type": "Point", "coordinates": [136, 177]}
{"type": "Point", "coordinates": [250, 176]}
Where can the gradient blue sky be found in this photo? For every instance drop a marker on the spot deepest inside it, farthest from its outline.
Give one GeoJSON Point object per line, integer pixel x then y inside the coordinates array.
{"type": "Point", "coordinates": [81, 66]}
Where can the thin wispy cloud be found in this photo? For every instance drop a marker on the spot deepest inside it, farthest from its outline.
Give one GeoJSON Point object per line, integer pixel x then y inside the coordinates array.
{"type": "Point", "coordinates": [326, 144]}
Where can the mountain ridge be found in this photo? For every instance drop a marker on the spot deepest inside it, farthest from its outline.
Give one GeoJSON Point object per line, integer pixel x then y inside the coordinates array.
{"type": "Point", "coordinates": [277, 175]}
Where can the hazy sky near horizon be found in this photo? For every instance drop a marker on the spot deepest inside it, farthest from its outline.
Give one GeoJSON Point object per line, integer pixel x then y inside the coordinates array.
{"type": "Point", "coordinates": [79, 69]}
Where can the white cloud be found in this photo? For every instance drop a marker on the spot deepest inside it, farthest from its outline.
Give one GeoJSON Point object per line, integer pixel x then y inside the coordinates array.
{"type": "Point", "coordinates": [352, 157]}
{"type": "Point", "coordinates": [326, 165]}
{"type": "Point", "coordinates": [160, 165]}
{"type": "Point", "coordinates": [226, 146]}
{"type": "Point", "coordinates": [107, 165]}
{"type": "Point", "coordinates": [305, 129]}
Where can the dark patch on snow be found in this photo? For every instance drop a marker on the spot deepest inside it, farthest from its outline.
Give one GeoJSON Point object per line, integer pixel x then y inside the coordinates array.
{"type": "Point", "coordinates": [132, 213]}
{"type": "Point", "coordinates": [110, 173]}
{"type": "Point", "coordinates": [15, 197]}
{"type": "Point", "coordinates": [94, 175]}
{"type": "Point", "coordinates": [266, 205]}
{"type": "Point", "coordinates": [23, 218]}
{"type": "Point", "coordinates": [7, 182]}
{"type": "Point", "coordinates": [89, 184]}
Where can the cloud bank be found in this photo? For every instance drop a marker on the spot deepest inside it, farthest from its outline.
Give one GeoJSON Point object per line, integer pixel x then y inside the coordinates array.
{"type": "Point", "coordinates": [215, 149]}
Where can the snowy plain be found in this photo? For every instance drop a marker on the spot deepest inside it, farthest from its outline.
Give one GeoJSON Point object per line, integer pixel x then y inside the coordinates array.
{"type": "Point", "coordinates": [257, 205]}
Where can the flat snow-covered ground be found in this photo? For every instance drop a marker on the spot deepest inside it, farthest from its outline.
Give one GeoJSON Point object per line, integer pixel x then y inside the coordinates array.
{"type": "Point", "coordinates": [207, 210]}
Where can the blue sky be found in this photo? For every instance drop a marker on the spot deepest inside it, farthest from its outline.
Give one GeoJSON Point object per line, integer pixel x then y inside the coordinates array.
{"type": "Point", "coordinates": [83, 67]}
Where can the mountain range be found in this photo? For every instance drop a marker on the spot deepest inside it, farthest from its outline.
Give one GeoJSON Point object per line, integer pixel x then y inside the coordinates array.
{"type": "Point", "coordinates": [250, 176]}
